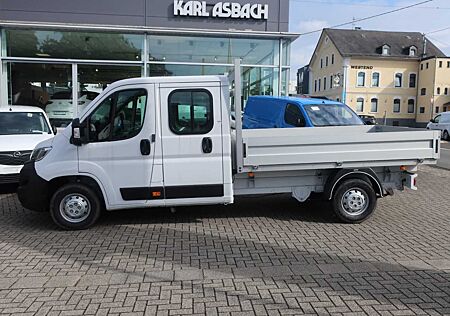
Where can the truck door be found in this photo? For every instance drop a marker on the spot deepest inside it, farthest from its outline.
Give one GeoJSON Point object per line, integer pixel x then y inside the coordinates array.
{"type": "Point", "coordinates": [191, 124]}
{"type": "Point", "coordinates": [119, 150]}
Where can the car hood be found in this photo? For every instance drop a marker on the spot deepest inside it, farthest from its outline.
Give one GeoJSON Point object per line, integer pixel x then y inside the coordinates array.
{"type": "Point", "coordinates": [22, 142]}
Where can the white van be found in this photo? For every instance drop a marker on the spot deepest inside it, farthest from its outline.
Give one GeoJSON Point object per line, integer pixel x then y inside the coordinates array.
{"type": "Point", "coordinates": [21, 129]}
{"type": "Point", "coordinates": [442, 123]}
{"type": "Point", "coordinates": [167, 142]}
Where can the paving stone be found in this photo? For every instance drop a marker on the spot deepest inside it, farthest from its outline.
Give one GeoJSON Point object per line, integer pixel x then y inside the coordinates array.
{"type": "Point", "coordinates": [30, 282]}
{"type": "Point", "coordinates": [263, 256]}
{"type": "Point", "coordinates": [62, 281]}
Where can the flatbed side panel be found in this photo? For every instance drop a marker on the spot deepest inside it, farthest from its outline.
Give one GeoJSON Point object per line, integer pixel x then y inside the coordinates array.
{"type": "Point", "coordinates": [331, 147]}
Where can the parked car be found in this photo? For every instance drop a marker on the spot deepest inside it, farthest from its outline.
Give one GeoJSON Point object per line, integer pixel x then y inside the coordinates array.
{"type": "Point", "coordinates": [60, 108]}
{"type": "Point", "coordinates": [442, 123]}
{"type": "Point", "coordinates": [21, 129]}
{"type": "Point", "coordinates": [167, 156]}
{"type": "Point", "coordinates": [368, 119]}
{"type": "Point", "coordinates": [285, 112]}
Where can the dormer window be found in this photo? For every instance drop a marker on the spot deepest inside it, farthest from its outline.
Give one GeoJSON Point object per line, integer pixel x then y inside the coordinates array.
{"type": "Point", "coordinates": [413, 51]}
{"type": "Point", "coordinates": [386, 50]}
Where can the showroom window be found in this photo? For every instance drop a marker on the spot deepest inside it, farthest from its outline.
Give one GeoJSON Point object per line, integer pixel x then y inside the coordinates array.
{"type": "Point", "coordinates": [74, 45]}
{"type": "Point", "coordinates": [212, 50]}
{"type": "Point", "coordinates": [191, 112]}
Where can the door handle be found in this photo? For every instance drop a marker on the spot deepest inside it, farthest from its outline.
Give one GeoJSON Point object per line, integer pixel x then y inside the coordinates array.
{"type": "Point", "coordinates": [207, 145]}
{"type": "Point", "coordinates": [145, 147]}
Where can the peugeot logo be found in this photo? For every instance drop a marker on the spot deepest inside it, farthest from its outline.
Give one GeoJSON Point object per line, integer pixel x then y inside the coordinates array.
{"type": "Point", "coordinates": [17, 154]}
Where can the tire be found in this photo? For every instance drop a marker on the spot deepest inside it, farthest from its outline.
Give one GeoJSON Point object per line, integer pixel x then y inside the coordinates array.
{"type": "Point", "coordinates": [445, 136]}
{"type": "Point", "coordinates": [354, 201]}
{"type": "Point", "coordinates": [75, 207]}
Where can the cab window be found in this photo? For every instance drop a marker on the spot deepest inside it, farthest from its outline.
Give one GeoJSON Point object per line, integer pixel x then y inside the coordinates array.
{"type": "Point", "coordinates": [293, 116]}
{"type": "Point", "coordinates": [120, 116]}
{"type": "Point", "coordinates": [190, 112]}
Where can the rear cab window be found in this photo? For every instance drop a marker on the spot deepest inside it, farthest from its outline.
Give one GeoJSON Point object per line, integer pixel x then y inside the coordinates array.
{"type": "Point", "coordinates": [191, 111]}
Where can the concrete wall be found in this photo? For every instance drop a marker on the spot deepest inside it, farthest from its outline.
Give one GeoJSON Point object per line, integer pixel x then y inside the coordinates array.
{"type": "Point", "coordinates": [151, 13]}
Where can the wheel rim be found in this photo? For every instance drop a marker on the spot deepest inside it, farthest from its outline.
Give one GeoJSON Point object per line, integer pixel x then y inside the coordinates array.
{"type": "Point", "coordinates": [355, 201]}
{"type": "Point", "coordinates": [75, 208]}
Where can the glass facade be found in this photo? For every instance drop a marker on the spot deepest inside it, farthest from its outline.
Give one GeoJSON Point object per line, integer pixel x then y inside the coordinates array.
{"type": "Point", "coordinates": [63, 71]}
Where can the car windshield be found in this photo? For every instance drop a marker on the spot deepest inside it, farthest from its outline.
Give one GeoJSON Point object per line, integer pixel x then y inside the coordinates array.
{"type": "Point", "coordinates": [16, 123]}
{"type": "Point", "coordinates": [332, 115]}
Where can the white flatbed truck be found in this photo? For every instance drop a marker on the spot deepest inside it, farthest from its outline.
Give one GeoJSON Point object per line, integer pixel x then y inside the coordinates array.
{"type": "Point", "coordinates": [168, 142]}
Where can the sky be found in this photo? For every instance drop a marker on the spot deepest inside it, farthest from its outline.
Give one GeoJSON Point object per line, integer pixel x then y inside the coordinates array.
{"type": "Point", "coordinates": [311, 15]}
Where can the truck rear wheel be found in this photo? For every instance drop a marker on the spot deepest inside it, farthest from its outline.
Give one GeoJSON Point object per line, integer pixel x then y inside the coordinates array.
{"type": "Point", "coordinates": [75, 206]}
{"type": "Point", "coordinates": [354, 201]}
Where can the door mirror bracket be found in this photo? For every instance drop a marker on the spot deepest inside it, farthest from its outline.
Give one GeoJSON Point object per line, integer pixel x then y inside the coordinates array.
{"type": "Point", "coordinates": [77, 133]}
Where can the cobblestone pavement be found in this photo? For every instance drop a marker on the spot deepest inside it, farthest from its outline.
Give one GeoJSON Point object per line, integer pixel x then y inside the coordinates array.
{"type": "Point", "coordinates": [262, 256]}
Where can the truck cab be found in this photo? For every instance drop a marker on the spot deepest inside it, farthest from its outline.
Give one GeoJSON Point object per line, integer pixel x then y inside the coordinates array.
{"type": "Point", "coordinates": [143, 143]}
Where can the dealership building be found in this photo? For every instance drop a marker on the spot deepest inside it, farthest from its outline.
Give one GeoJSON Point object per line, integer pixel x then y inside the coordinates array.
{"type": "Point", "coordinates": [60, 54]}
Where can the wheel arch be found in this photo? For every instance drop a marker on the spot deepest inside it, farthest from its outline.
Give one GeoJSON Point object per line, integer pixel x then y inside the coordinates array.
{"type": "Point", "coordinates": [367, 175]}
{"type": "Point", "coordinates": [92, 183]}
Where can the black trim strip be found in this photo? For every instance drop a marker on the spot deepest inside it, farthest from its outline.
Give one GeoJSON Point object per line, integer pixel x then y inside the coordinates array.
{"type": "Point", "coordinates": [194, 191]}
{"type": "Point", "coordinates": [174, 192]}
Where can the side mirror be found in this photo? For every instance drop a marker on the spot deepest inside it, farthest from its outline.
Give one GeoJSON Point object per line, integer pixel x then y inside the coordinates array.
{"type": "Point", "coordinates": [432, 121]}
{"type": "Point", "coordinates": [76, 138]}
{"type": "Point", "coordinates": [54, 129]}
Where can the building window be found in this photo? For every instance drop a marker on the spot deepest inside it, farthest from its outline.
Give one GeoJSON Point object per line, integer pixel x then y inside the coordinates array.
{"type": "Point", "coordinates": [438, 91]}
{"type": "Point", "coordinates": [427, 65]}
{"type": "Point", "coordinates": [324, 83]}
{"type": "Point", "coordinates": [361, 79]}
{"type": "Point", "coordinates": [191, 111]}
{"type": "Point", "coordinates": [422, 110]}
{"type": "Point", "coordinates": [421, 66]}
{"type": "Point", "coordinates": [397, 105]}
{"type": "Point", "coordinates": [315, 85]}
{"type": "Point", "coordinates": [412, 51]}
{"type": "Point", "coordinates": [360, 105]}
{"type": "Point", "coordinates": [321, 62]}
{"type": "Point", "coordinates": [411, 105]}
{"type": "Point", "coordinates": [375, 79]}
{"type": "Point", "coordinates": [398, 80]}
{"type": "Point", "coordinates": [374, 105]}
{"type": "Point", "coordinates": [448, 64]}
{"type": "Point", "coordinates": [332, 59]}
{"type": "Point", "coordinates": [412, 80]}
{"type": "Point", "coordinates": [446, 91]}
{"type": "Point", "coordinates": [326, 61]}
{"type": "Point", "coordinates": [423, 91]}
{"type": "Point", "coordinates": [331, 82]}
{"type": "Point", "coordinates": [386, 50]}
{"type": "Point", "coordinates": [437, 109]}
{"type": "Point", "coordinates": [440, 64]}
{"type": "Point", "coordinates": [320, 84]}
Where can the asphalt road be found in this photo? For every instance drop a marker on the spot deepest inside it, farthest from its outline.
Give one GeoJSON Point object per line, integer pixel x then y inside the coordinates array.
{"type": "Point", "coordinates": [444, 162]}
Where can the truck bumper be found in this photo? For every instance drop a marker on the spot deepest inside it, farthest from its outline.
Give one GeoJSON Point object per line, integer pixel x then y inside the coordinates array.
{"type": "Point", "coordinates": [9, 174]}
{"type": "Point", "coordinates": [33, 190]}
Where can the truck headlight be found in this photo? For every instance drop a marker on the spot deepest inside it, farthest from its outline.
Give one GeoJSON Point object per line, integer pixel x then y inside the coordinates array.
{"type": "Point", "coordinates": [40, 153]}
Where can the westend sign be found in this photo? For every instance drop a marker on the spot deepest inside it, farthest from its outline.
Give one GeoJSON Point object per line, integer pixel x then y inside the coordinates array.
{"type": "Point", "coordinates": [221, 10]}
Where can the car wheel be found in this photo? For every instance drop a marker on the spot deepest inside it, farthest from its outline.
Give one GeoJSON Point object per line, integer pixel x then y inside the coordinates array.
{"type": "Point", "coordinates": [75, 207]}
{"type": "Point", "coordinates": [445, 136]}
{"type": "Point", "coordinates": [354, 201]}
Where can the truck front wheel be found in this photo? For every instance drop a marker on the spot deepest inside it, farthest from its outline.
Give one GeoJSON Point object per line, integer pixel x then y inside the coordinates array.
{"type": "Point", "coordinates": [354, 201]}
{"type": "Point", "coordinates": [75, 206]}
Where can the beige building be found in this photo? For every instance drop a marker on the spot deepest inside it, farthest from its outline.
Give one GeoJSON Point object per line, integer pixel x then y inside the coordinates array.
{"type": "Point", "coordinates": [379, 73]}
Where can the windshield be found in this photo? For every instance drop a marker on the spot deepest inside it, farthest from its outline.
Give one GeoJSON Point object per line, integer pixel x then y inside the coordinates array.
{"type": "Point", "coordinates": [16, 123]}
{"type": "Point", "coordinates": [332, 115]}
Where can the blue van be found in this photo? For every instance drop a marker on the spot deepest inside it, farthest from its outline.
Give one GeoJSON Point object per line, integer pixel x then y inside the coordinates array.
{"type": "Point", "coordinates": [286, 112]}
